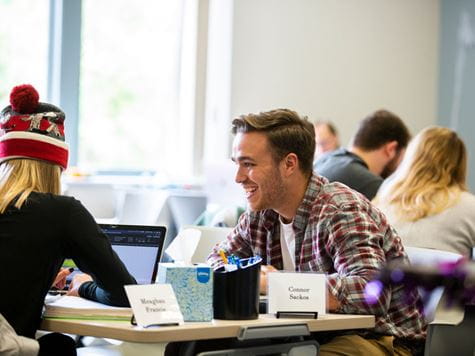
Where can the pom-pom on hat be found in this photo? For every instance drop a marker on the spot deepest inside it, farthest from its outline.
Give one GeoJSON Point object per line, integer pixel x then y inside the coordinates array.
{"type": "Point", "coordinates": [31, 129]}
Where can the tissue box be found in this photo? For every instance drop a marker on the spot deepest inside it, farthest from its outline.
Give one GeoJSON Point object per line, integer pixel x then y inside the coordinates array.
{"type": "Point", "coordinates": [193, 287]}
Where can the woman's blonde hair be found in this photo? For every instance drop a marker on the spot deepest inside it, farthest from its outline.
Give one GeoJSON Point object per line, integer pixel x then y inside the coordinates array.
{"type": "Point", "coordinates": [19, 177]}
{"type": "Point", "coordinates": [430, 178]}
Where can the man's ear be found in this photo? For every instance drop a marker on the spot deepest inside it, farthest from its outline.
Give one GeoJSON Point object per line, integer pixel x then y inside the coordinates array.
{"type": "Point", "coordinates": [290, 163]}
{"type": "Point", "coordinates": [390, 149]}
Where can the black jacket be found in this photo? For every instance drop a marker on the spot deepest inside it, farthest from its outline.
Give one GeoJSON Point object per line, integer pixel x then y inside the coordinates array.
{"type": "Point", "coordinates": [35, 240]}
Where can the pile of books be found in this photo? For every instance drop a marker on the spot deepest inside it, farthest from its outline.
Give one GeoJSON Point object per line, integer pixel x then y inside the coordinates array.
{"type": "Point", "coordinates": [79, 308]}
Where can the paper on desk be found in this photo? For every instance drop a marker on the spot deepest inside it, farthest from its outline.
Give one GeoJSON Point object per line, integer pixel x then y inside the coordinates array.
{"type": "Point", "coordinates": [183, 246]}
{"type": "Point", "coordinates": [80, 308]}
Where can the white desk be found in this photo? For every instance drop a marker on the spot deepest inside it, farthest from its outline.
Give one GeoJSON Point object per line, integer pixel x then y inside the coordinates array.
{"type": "Point", "coordinates": [141, 341]}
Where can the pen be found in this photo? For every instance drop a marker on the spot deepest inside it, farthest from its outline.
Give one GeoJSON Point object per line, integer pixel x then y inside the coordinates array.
{"type": "Point", "coordinates": [223, 256]}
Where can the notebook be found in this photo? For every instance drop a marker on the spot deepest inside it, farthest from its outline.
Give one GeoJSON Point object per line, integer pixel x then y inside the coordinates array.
{"type": "Point", "coordinates": [70, 307]}
{"type": "Point", "coordinates": [139, 247]}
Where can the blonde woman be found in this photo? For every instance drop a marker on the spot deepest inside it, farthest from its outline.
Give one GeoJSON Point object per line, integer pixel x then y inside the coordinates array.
{"type": "Point", "coordinates": [39, 228]}
{"type": "Point", "coordinates": [426, 199]}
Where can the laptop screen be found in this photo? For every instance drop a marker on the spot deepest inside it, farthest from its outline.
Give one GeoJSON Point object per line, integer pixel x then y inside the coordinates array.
{"type": "Point", "coordinates": [139, 247]}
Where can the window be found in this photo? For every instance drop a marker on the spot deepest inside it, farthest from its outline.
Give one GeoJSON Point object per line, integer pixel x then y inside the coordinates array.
{"type": "Point", "coordinates": [137, 85]}
{"type": "Point", "coordinates": [24, 28]}
{"type": "Point", "coordinates": [124, 72]}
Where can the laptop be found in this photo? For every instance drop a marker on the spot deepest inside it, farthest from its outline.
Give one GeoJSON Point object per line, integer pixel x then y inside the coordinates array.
{"type": "Point", "coordinates": [139, 247]}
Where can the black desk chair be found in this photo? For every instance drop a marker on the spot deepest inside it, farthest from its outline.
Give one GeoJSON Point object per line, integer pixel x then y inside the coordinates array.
{"type": "Point", "coordinates": [452, 339]}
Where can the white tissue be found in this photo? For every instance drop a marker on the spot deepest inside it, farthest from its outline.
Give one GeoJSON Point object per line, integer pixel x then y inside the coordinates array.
{"type": "Point", "coordinates": [183, 246]}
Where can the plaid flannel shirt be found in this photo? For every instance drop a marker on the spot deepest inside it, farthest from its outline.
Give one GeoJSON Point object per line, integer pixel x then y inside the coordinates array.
{"type": "Point", "coordinates": [340, 233]}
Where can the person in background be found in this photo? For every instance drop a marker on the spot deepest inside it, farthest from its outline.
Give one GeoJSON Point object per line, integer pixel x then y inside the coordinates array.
{"type": "Point", "coordinates": [375, 152]}
{"type": "Point", "coordinates": [39, 228]}
{"type": "Point", "coordinates": [298, 221]}
{"type": "Point", "coordinates": [326, 138]}
{"type": "Point", "coordinates": [426, 199]}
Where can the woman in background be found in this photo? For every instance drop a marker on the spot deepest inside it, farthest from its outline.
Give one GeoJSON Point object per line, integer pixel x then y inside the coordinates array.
{"type": "Point", "coordinates": [39, 228]}
{"type": "Point", "coordinates": [426, 199]}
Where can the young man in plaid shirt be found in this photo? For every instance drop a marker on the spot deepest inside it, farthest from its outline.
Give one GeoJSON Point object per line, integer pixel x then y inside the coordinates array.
{"type": "Point", "coordinates": [298, 221]}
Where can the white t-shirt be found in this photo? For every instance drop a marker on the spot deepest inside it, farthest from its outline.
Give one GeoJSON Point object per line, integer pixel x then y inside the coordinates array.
{"type": "Point", "coordinates": [287, 245]}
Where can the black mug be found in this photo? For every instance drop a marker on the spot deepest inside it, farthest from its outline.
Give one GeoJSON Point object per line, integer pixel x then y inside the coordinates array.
{"type": "Point", "coordinates": [236, 293]}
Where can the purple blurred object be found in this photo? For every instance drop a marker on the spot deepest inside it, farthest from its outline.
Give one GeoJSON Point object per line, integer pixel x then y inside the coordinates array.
{"type": "Point", "coordinates": [458, 280]}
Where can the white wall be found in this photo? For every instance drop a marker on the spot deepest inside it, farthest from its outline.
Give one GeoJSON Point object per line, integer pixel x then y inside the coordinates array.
{"type": "Point", "coordinates": [336, 59]}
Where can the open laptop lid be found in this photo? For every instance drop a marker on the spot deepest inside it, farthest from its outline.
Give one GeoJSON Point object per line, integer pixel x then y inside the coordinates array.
{"type": "Point", "coordinates": [139, 247]}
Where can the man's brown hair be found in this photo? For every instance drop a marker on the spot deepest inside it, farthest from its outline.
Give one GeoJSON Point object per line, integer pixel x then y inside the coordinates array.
{"type": "Point", "coordinates": [379, 128]}
{"type": "Point", "coordinates": [286, 131]}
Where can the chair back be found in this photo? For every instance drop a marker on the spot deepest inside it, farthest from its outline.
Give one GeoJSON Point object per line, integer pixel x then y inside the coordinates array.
{"type": "Point", "coordinates": [103, 201]}
{"type": "Point", "coordinates": [187, 207]}
{"type": "Point", "coordinates": [210, 236]}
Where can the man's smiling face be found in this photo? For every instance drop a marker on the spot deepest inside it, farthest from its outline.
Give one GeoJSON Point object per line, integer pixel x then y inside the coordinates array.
{"type": "Point", "coordinates": [257, 171]}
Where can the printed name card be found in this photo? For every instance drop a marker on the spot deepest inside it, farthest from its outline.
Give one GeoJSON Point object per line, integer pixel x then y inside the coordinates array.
{"type": "Point", "coordinates": [296, 292]}
{"type": "Point", "coordinates": [154, 304]}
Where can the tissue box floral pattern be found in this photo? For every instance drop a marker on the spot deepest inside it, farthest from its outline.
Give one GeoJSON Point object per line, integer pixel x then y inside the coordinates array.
{"type": "Point", "coordinates": [193, 287]}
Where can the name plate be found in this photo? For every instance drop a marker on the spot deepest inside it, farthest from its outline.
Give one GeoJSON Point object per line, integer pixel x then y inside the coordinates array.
{"type": "Point", "coordinates": [296, 292]}
{"type": "Point", "coordinates": [154, 304]}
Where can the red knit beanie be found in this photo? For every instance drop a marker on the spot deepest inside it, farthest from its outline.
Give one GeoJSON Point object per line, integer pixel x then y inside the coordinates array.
{"type": "Point", "coordinates": [32, 129]}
